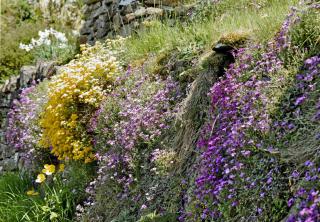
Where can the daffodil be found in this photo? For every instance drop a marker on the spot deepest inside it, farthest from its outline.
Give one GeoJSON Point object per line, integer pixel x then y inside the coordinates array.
{"type": "Point", "coordinates": [32, 193]}
{"type": "Point", "coordinates": [40, 178]}
{"type": "Point", "coordinates": [49, 169]}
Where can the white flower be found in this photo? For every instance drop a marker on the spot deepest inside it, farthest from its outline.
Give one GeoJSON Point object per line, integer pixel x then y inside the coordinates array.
{"type": "Point", "coordinates": [60, 36]}
{"type": "Point", "coordinates": [47, 42]}
{"type": "Point", "coordinates": [62, 46]}
{"type": "Point", "coordinates": [25, 47]}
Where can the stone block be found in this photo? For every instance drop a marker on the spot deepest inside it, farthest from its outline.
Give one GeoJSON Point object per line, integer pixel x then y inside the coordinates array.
{"type": "Point", "coordinates": [162, 2]}
{"type": "Point", "coordinates": [128, 18]}
{"type": "Point", "coordinates": [154, 11]}
{"type": "Point", "coordinates": [27, 74]}
{"type": "Point", "coordinates": [90, 2]}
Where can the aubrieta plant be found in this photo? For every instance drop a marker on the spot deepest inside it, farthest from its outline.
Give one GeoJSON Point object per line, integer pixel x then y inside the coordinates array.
{"type": "Point", "coordinates": [235, 139]}
{"type": "Point", "coordinates": [130, 121]}
{"type": "Point", "coordinates": [23, 131]}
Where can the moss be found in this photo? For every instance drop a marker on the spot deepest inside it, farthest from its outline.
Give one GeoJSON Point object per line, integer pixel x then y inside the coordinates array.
{"type": "Point", "coordinates": [170, 217]}
{"type": "Point", "coordinates": [235, 39]}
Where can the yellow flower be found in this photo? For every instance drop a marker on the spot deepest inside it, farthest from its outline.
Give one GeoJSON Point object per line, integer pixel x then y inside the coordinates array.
{"type": "Point", "coordinates": [61, 167]}
{"type": "Point", "coordinates": [49, 169]}
{"type": "Point", "coordinates": [32, 192]}
{"type": "Point", "coordinates": [82, 82]}
{"type": "Point", "coordinates": [40, 178]}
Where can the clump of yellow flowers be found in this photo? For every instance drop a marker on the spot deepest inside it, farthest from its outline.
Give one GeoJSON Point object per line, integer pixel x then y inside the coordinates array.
{"type": "Point", "coordinates": [74, 95]}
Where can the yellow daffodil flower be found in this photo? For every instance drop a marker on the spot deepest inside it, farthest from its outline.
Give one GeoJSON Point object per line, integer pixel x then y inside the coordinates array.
{"type": "Point", "coordinates": [49, 169]}
{"type": "Point", "coordinates": [40, 178]}
{"type": "Point", "coordinates": [32, 193]}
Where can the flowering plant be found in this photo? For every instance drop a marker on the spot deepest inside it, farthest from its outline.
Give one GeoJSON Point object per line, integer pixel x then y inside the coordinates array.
{"type": "Point", "coordinates": [128, 125]}
{"type": "Point", "coordinates": [23, 132]}
{"type": "Point", "coordinates": [74, 95]}
{"type": "Point", "coordinates": [51, 44]}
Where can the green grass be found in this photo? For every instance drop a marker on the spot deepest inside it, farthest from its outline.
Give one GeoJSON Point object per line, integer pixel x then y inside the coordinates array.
{"type": "Point", "coordinates": [57, 198]}
{"type": "Point", "coordinates": [260, 18]}
{"type": "Point", "coordinates": [15, 204]}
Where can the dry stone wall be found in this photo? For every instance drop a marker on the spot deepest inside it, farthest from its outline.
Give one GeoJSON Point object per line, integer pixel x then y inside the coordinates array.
{"type": "Point", "coordinates": [9, 157]}
{"type": "Point", "coordinates": [107, 18]}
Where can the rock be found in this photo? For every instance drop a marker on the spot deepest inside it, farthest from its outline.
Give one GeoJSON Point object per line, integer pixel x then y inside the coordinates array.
{"type": "Point", "coordinates": [222, 48]}
{"type": "Point", "coordinates": [127, 9]}
{"type": "Point", "coordinates": [101, 10]}
{"type": "Point", "coordinates": [27, 74]}
{"type": "Point", "coordinates": [117, 22]}
{"type": "Point", "coordinates": [89, 2]}
{"type": "Point", "coordinates": [86, 28]}
{"type": "Point", "coordinates": [103, 22]}
{"type": "Point", "coordinates": [45, 70]}
{"type": "Point", "coordinates": [126, 2]}
{"type": "Point", "coordinates": [10, 164]}
{"type": "Point", "coordinates": [9, 91]}
{"type": "Point", "coordinates": [101, 33]}
{"type": "Point", "coordinates": [126, 30]}
{"type": "Point", "coordinates": [140, 12]}
{"type": "Point", "coordinates": [129, 17]}
{"type": "Point", "coordinates": [107, 2]}
{"type": "Point", "coordinates": [162, 2]}
{"type": "Point", "coordinates": [154, 11]}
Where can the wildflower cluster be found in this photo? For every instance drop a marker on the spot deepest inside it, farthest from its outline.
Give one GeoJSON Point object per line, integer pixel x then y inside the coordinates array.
{"type": "Point", "coordinates": [46, 38]}
{"type": "Point", "coordinates": [74, 95]}
{"type": "Point", "coordinates": [48, 170]}
{"type": "Point", "coordinates": [304, 109]}
{"type": "Point", "coordinates": [236, 112]}
{"type": "Point", "coordinates": [129, 123]}
{"type": "Point", "coordinates": [233, 139]}
{"type": "Point", "coordinates": [23, 131]}
{"type": "Point", "coordinates": [306, 196]}
{"type": "Point", "coordinates": [162, 160]}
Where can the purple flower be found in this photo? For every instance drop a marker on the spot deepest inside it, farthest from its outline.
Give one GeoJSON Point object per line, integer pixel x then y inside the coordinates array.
{"type": "Point", "coordinates": [290, 202]}
{"type": "Point", "coordinates": [300, 100]}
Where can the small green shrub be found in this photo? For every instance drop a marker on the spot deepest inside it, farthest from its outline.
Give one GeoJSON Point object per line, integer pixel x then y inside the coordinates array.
{"type": "Point", "coordinates": [11, 57]}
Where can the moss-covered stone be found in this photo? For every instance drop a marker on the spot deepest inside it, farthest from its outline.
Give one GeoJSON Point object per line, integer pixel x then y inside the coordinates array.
{"type": "Point", "coordinates": [233, 40]}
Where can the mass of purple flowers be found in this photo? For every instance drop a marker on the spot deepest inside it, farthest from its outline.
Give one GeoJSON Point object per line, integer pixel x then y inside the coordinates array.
{"type": "Point", "coordinates": [239, 121]}
{"type": "Point", "coordinates": [236, 111]}
{"type": "Point", "coordinates": [133, 117]}
{"type": "Point", "coordinates": [23, 132]}
{"type": "Point", "coordinates": [307, 196]}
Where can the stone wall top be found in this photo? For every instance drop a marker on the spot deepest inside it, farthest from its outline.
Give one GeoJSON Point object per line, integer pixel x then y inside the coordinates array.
{"type": "Point", "coordinates": [108, 18]}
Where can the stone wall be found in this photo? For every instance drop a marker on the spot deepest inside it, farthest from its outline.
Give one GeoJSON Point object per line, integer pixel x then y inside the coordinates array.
{"type": "Point", "coordinates": [107, 18]}
{"type": "Point", "coordinates": [9, 157]}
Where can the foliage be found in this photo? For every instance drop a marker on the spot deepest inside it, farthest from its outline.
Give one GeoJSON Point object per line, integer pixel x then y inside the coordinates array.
{"type": "Point", "coordinates": [20, 22]}
{"type": "Point", "coordinates": [258, 157]}
{"type": "Point", "coordinates": [11, 57]}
